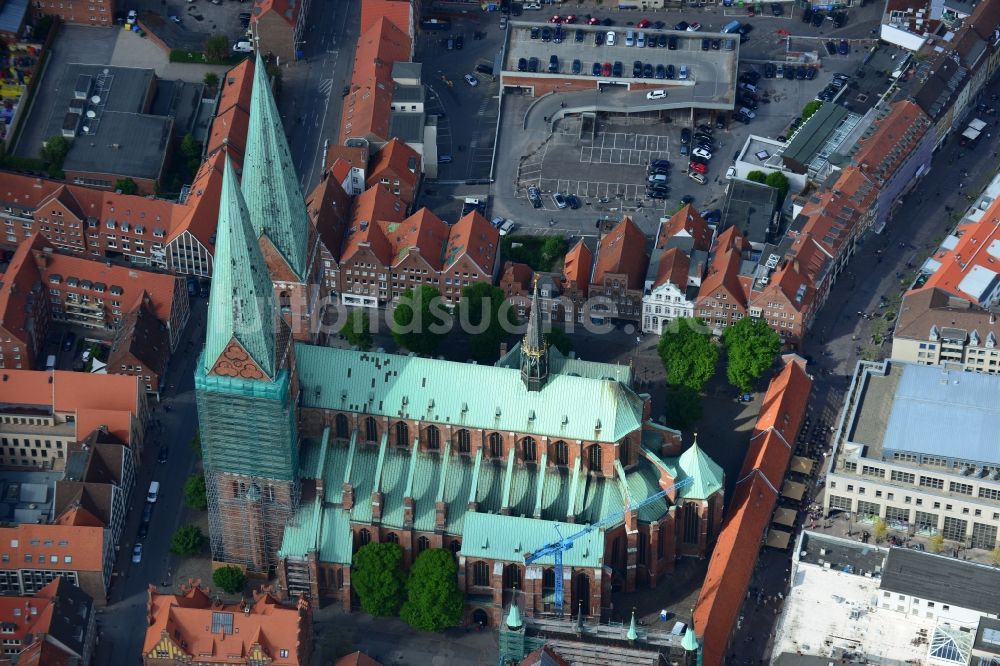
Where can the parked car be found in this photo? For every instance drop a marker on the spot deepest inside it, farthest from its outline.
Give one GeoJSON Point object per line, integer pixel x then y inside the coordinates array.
{"type": "Point", "coordinates": [720, 121]}
{"type": "Point", "coordinates": [694, 27]}
{"type": "Point", "coordinates": [731, 173]}
{"type": "Point", "coordinates": [748, 113]}
{"type": "Point", "coordinates": [243, 46]}
{"type": "Point", "coordinates": [671, 72]}
{"type": "Point", "coordinates": [579, 36]}
{"type": "Point", "coordinates": [546, 35]}
{"type": "Point", "coordinates": [656, 94]}
{"type": "Point", "coordinates": [596, 69]}
{"type": "Point", "coordinates": [606, 69]}
{"type": "Point", "coordinates": [672, 42]}
{"type": "Point", "coordinates": [558, 200]}
{"type": "Point", "coordinates": [647, 70]}
{"type": "Point", "coordinates": [69, 341]}
{"type": "Point", "coordinates": [683, 73]}
{"type": "Point", "coordinates": [137, 553]}
{"type": "Point", "coordinates": [598, 39]}
{"type": "Point", "coordinates": [573, 201]}
{"type": "Point", "coordinates": [682, 26]}
{"type": "Point", "coordinates": [769, 70]}
{"type": "Point", "coordinates": [522, 64]}
{"type": "Point", "coordinates": [698, 166]}
{"type": "Point", "coordinates": [577, 67]}
{"type": "Point", "coordinates": [701, 152]}
{"type": "Point", "coordinates": [687, 198]}
{"type": "Point", "coordinates": [532, 64]}
{"type": "Point", "coordinates": [535, 197]}
{"type": "Point", "coordinates": [810, 73]}
{"type": "Point", "coordinates": [817, 19]}
{"type": "Point", "coordinates": [643, 23]}
{"type": "Point", "coordinates": [471, 80]}
{"type": "Point", "coordinates": [162, 456]}
{"type": "Point", "coordinates": [610, 38]}
{"type": "Point", "coordinates": [807, 15]}
{"type": "Point", "coordinates": [661, 41]}
{"type": "Point", "coordinates": [844, 47]}
{"type": "Point", "coordinates": [536, 32]}
{"type": "Point", "coordinates": [661, 72]}
{"type": "Point", "coordinates": [706, 44]}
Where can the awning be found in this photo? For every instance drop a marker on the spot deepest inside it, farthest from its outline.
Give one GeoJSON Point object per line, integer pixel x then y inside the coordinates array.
{"type": "Point", "coordinates": [793, 490]}
{"type": "Point", "coordinates": [802, 465]}
{"type": "Point", "coordinates": [778, 539]}
{"type": "Point", "coordinates": [784, 516]}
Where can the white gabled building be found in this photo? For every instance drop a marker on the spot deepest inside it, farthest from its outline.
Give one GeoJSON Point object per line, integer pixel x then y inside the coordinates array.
{"type": "Point", "coordinates": [671, 293]}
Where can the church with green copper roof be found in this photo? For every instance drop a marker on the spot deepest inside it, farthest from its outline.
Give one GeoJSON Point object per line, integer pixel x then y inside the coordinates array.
{"type": "Point", "coordinates": [312, 452]}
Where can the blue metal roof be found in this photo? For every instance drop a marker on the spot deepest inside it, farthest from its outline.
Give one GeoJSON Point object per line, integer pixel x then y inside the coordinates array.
{"type": "Point", "coordinates": [945, 413]}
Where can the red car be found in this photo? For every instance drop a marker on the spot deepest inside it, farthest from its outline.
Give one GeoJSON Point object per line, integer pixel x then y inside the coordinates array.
{"type": "Point", "coordinates": [750, 11]}
{"type": "Point", "coordinates": [556, 19]}
{"type": "Point", "coordinates": [593, 20]}
{"type": "Point", "coordinates": [644, 23]}
{"type": "Point", "coordinates": [695, 166]}
{"type": "Point", "coordinates": [606, 69]}
{"type": "Point", "coordinates": [569, 19]}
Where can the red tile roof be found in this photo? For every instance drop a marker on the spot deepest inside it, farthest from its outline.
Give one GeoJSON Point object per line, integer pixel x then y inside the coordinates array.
{"type": "Point", "coordinates": [673, 268]}
{"type": "Point", "coordinates": [329, 207]}
{"type": "Point", "coordinates": [16, 284]}
{"type": "Point", "coordinates": [83, 544]}
{"type": "Point", "coordinates": [622, 251]}
{"type": "Point", "coordinates": [735, 554]}
{"type": "Point", "coordinates": [516, 278]}
{"type": "Point", "coordinates": [397, 12]}
{"type": "Point", "coordinates": [423, 231]}
{"type": "Point", "coordinates": [723, 271]}
{"type": "Point", "coordinates": [366, 108]}
{"type": "Point", "coordinates": [185, 621]}
{"type": "Point", "coordinates": [475, 238]}
{"type": "Point", "coordinates": [686, 222]}
{"type": "Point", "coordinates": [286, 10]}
{"type": "Point", "coordinates": [232, 115]}
{"type": "Point", "coordinates": [576, 266]}
{"type": "Point", "coordinates": [892, 141]}
{"type": "Point", "coordinates": [398, 159]}
{"type": "Point", "coordinates": [971, 267]}
{"type": "Point", "coordinates": [357, 659]}
{"type": "Point", "coordinates": [372, 206]}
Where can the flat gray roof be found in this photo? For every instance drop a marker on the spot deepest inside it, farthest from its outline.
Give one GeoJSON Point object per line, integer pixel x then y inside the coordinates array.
{"type": "Point", "coordinates": [408, 93]}
{"type": "Point", "coordinates": [874, 408]}
{"type": "Point", "coordinates": [750, 207]}
{"type": "Point", "coordinates": [943, 579]}
{"type": "Point", "coordinates": [408, 127]}
{"type": "Point", "coordinates": [841, 554]}
{"type": "Point", "coordinates": [181, 100]}
{"type": "Point", "coordinates": [814, 134]}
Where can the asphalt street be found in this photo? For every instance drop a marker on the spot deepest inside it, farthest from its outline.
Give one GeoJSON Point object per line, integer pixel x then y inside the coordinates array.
{"type": "Point", "coordinates": [311, 89]}
{"type": "Point", "coordinates": [122, 624]}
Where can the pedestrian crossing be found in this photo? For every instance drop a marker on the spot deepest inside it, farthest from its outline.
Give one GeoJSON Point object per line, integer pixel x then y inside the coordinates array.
{"type": "Point", "coordinates": [326, 86]}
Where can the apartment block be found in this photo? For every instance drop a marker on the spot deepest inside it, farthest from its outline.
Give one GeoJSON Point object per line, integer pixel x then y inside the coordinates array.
{"type": "Point", "coordinates": [937, 328]}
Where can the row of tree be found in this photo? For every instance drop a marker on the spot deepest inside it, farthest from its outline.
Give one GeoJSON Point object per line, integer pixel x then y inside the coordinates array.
{"type": "Point", "coordinates": [426, 597]}
{"type": "Point", "coordinates": [690, 356]}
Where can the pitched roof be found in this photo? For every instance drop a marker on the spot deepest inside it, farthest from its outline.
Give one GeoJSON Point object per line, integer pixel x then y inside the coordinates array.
{"type": "Point", "coordinates": [723, 271]}
{"type": "Point", "coordinates": [199, 215]}
{"type": "Point", "coordinates": [544, 656]}
{"type": "Point", "coordinates": [83, 544]}
{"type": "Point", "coordinates": [510, 538]}
{"type": "Point", "coordinates": [707, 474]}
{"type": "Point", "coordinates": [210, 633]}
{"type": "Point", "coordinates": [894, 137]}
{"type": "Point", "coordinates": [423, 232]}
{"type": "Point", "coordinates": [397, 158]}
{"type": "Point", "coordinates": [142, 336]}
{"type": "Point", "coordinates": [329, 206]}
{"type": "Point", "coordinates": [69, 392]}
{"type": "Point", "coordinates": [735, 554]}
{"type": "Point", "coordinates": [576, 266]}
{"type": "Point", "coordinates": [286, 10]}
{"type": "Point", "coordinates": [21, 292]}
{"type": "Point", "coordinates": [673, 268]}
{"type": "Point", "coordinates": [56, 617]}
{"type": "Point", "coordinates": [371, 207]}
{"type": "Point", "coordinates": [622, 250]}
{"type": "Point", "coordinates": [473, 237]}
{"type": "Point", "coordinates": [686, 227]}
{"type": "Point", "coordinates": [232, 115]}
{"type": "Point", "coordinates": [367, 107]}
{"type": "Point", "coordinates": [241, 304]}
{"type": "Point", "coordinates": [270, 183]}
{"type": "Point", "coordinates": [397, 12]}
{"type": "Point", "coordinates": [357, 659]}
{"type": "Point", "coordinates": [923, 309]}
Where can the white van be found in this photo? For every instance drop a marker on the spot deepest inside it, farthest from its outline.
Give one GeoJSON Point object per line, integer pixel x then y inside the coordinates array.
{"type": "Point", "coordinates": [50, 362]}
{"type": "Point", "coordinates": [243, 47]}
{"type": "Point", "coordinates": [154, 491]}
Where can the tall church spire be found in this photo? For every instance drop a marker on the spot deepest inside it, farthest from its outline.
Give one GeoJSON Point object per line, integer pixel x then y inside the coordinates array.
{"type": "Point", "coordinates": [270, 183]}
{"type": "Point", "coordinates": [534, 355]}
{"type": "Point", "coordinates": [240, 334]}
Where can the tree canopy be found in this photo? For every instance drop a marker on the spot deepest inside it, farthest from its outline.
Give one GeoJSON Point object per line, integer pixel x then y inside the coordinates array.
{"type": "Point", "coordinates": [377, 576]}
{"type": "Point", "coordinates": [194, 492]}
{"type": "Point", "coordinates": [126, 186]}
{"type": "Point", "coordinates": [757, 176]}
{"type": "Point", "coordinates": [683, 407]}
{"type": "Point", "coordinates": [188, 540]}
{"type": "Point", "coordinates": [357, 329]}
{"type": "Point", "coordinates": [810, 108]}
{"type": "Point", "coordinates": [751, 346]}
{"type": "Point", "coordinates": [420, 320]}
{"type": "Point", "coordinates": [778, 181]}
{"type": "Point", "coordinates": [211, 79]}
{"type": "Point", "coordinates": [489, 318]}
{"type": "Point", "coordinates": [434, 601]}
{"type": "Point", "coordinates": [688, 355]}
{"type": "Point", "coordinates": [217, 48]}
{"type": "Point", "coordinates": [54, 153]}
{"type": "Point", "coordinates": [231, 579]}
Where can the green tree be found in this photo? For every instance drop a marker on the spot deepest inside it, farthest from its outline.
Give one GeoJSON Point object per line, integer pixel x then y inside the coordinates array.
{"type": "Point", "coordinates": [126, 186]}
{"type": "Point", "coordinates": [936, 543]}
{"type": "Point", "coordinates": [809, 109]}
{"type": "Point", "coordinates": [211, 79]}
{"type": "Point", "coordinates": [489, 317]}
{"type": "Point", "coordinates": [54, 152]}
{"type": "Point", "coordinates": [190, 148]}
{"type": "Point", "coordinates": [217, 48]}
{"type": "Point", "coordinates": [995, 557]}
{"type": "Point", "coordinates": [195, 495]}
{"type": "Point", "coordinates": [553, 249]}
{"type": "Point", "coordinates": [231, 579]}
{"type": "Point", "coordinates": [778, 181]}
{"type": "Point", "coordinates": [187, 540]}
{"type": "Point", "coordinates": [757, 176]}
{"type": "Point", "coordinates": [688, 355]}
{"type": "Point", "coordinates": [683, 407]}
{"type": "Point", "coordinates": [557, 338]}
{"type": "Point", "coordinates": [420, 320]}
{"type": "Point", "coordinates": [434, 601]}
{"type": "Point", "coordinates": [357, 329]}
{"type": "Point", "coordinates": [377, 576]}
{"type": "Point", "coordinates": [751, 346]}
{"type": "Point", "coordinates": [196, 443]}
{"type": "Point", "coordinates": [880, 529]}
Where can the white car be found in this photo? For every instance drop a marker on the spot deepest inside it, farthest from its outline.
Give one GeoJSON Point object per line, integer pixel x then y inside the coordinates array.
{"type": "Point", "coordinates": [694, 27]}
{"type": "Point", "coordinates": [559, 200]}
{"type": "Point", "coordinates": [656, 94]}
{"type": "Point", "coordinates": [471, 80]}
{"type": "Point", "coordinates": [682, 73]}
{"type": "Point", "coordinates": [533, 5]}
{"type": "Point", "coordinates": [702, 153]}
{"type": "Point", "coordinates": [731, 173]}
{"type": "Point", "coordinates": [137, 553]}
{"type": "Point", "coordinates": [610, 38]}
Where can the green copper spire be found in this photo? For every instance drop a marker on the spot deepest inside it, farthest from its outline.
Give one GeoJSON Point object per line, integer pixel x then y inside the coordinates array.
{"type": "Point", "coordinates": [708, 476]}
{"type": "Point", "coordinates": [514, 616]}
{"type": "Point", "coordinates": [241, 304]}
{"type": "Point", "coordinates": [632, 633]}
{"type": "Point", "coordinates": [690, 641]}
{"type": "Point", "coordinates": [270, 184]}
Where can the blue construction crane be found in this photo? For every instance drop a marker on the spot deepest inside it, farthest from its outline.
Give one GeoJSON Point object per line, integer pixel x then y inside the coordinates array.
{"type": "Point", "coordinates": [561, 545]}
